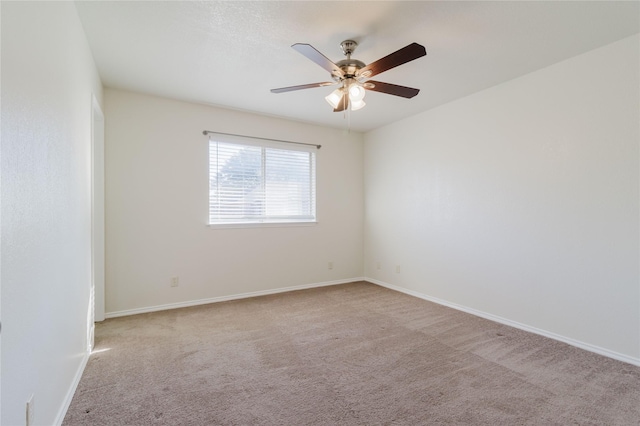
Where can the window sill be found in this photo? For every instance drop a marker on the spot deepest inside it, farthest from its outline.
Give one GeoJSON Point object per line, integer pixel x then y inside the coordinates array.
{"type": "Point", "coordinates": [261, 225]}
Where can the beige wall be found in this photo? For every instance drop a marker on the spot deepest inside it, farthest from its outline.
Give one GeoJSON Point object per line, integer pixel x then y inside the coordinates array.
{"type": "Point", "coordinates": [157, 206]}
{"type": "Point", "coordinates": [520, 202]}
{"type": "Point", "coordinates": [48, 78]}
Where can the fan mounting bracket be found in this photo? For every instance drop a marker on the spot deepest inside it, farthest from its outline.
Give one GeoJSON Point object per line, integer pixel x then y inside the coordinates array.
{"type": "Point", "coordinates": [348, 47]}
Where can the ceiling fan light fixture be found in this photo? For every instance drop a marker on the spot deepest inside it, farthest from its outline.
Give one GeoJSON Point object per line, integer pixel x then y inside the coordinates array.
{"type": "Point", "coordinates": [334, 98]}
{"type": "Point", "coordinates": [352, 75]}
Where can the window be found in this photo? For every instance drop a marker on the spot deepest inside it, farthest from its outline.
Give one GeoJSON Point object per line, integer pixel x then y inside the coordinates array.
{"type": "Point", "coordinates": [260, 181]}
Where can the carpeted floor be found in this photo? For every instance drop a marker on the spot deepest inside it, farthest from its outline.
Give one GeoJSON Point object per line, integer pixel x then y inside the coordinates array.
{"type": "Point", "coordinates": [353, 354]}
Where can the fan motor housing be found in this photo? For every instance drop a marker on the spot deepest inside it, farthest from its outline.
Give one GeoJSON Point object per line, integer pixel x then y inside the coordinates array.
{"type": "Point", "coordinates": [349, 67]}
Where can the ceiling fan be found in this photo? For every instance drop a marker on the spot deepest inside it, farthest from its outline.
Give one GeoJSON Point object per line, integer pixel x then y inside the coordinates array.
{"type": "Point", "coordinates": [353, 75]}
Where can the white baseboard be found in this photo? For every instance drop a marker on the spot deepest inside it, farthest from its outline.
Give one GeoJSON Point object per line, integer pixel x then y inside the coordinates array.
{"type": "Point", "coordinates": [586, 346]}
{"type": "Point", "coordinates": [226, 298]}
{"type": "Point", "coordinates": [491, 317]}
{"type": "Point", "coordinates": [72, 390]}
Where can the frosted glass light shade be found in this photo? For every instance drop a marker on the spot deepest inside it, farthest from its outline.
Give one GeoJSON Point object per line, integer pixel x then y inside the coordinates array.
{"type": "Point", "coordinates": [356, 93]}
{"type": "Point", "coordinates": [356, 105]}
{"type": "Point", "coordinates": [334, 98]}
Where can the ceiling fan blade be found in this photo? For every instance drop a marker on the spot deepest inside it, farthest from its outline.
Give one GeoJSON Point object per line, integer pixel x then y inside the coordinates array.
{"type": "Point", "coordinates": [343, 104]}
{"type": "Point", "coordinates": [317, 57]}
{"type": "Point", "coordinates": [391, 89]}
{"type": "Point", "coordinates": [399, 57]}
{"type": "Point", "coordinates": [302, 86]}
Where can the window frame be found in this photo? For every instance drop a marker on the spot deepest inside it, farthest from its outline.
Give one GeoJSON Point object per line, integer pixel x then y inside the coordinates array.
{"type": "Point", "coordinates": [265, 144]}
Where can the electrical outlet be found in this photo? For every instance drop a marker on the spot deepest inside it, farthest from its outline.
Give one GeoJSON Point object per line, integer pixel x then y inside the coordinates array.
{"type": "Point", "coordinates": [175, 281]}
{"type": "Point", "coordinates": [378, 265]}
{"type": "Point", "coordinates": [397, 269]}
{"type": "Point", "coordinates": [330, 265]}
{"type": "Point", "coordinates": [29, 412]}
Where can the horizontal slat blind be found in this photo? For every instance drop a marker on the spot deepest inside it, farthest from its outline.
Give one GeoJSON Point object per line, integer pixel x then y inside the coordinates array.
{"type": "Point", "coordinates": [259, 183]}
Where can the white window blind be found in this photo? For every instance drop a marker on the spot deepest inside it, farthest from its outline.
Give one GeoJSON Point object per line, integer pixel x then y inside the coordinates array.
{"type": "Point", "coordinates": [260, 181]}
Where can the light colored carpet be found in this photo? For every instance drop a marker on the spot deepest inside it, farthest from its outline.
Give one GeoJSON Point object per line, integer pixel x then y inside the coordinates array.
{"type": "Point", "coordinates": [353, 354]}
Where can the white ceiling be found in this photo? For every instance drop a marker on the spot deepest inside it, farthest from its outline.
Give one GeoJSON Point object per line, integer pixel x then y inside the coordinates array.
{"type": "Point", "coordinates": [231, 53]}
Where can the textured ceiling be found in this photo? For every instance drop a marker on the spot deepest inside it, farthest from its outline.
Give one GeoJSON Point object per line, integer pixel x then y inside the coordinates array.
{"type": "Point", "coordinates": [232, 53]}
